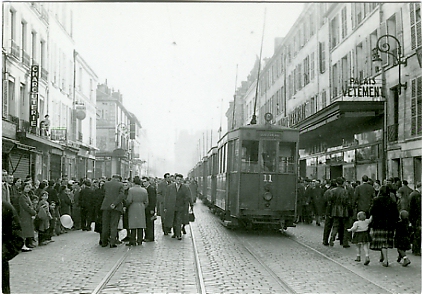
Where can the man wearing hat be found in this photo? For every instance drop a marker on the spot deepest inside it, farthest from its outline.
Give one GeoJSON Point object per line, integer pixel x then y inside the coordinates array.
{"type": "Point", "coordinates": [112, 208]}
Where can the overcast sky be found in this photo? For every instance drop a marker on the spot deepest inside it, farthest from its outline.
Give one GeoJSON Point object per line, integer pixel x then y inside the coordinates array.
{"type": "Point", "coordinates": [175, 63]}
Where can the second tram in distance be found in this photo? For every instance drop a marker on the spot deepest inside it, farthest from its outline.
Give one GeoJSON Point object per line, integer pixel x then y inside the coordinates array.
{"type": "Point", "coordinates": [250, 177]}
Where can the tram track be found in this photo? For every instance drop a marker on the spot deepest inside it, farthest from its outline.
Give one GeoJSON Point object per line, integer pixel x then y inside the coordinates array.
{"type": "Point", "coordinates": [341, 265]}
{"type": "Point", "coordinates": [285, 285]}
{"type": "Point", "coordinates": [111, 272]}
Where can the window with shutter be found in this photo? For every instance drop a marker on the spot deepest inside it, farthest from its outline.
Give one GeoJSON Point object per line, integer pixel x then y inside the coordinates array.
{"type": "Point", "coordinates": [322, 57]}
{"type": "Point", "coordinates": [416, 107]}
{"type": "Point", "coordinates": [415, 25]}
{"type": "Point", "coordinates": [343, 22]}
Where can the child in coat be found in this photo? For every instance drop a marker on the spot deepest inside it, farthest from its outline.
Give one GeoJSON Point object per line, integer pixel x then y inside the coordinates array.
{"type": "Point", "coordinates": [361, 238]}
{"type": "Point", "coordinates": [402, 237]}
{"type": "Point", "coordinates": [44, 215]}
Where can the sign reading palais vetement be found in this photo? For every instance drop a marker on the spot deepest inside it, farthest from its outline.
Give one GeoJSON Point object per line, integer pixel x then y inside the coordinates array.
{"type": "Point", "coordinates": [367, 87]}
{"type": "Point", "coordinates": [33, 105]}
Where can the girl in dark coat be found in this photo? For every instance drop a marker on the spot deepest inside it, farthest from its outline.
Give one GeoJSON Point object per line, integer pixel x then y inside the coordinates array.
{"type": "Point", "coordinates": [402, 237]}
{"type": "Point", "coordinates": [384, 219]}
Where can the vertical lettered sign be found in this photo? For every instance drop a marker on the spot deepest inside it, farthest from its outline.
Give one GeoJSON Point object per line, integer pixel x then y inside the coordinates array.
{"type": "Point", "coordinates": [33, 99]}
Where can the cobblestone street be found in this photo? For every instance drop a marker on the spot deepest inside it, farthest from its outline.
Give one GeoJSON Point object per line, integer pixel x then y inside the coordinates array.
{"type": "Point", "coordinates": [230, 262]}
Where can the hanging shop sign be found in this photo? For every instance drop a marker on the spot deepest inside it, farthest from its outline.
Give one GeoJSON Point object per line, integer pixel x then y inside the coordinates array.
{"type": "Point", "coordinates": [33, 105]}
{"type": "Point", "coordinates": [59, 134]}
{"type": "Point", "coordinates": [367, 87]}
{"type": "Point", "coordinates": [80, 111]}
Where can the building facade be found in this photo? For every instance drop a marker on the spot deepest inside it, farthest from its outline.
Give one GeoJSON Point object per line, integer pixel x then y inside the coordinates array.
{"type": "Point", "coordinates": [41, 102]}
{"type": "Point", "coordinates": [357, 114]}
{"type": "Point", "coordinates": [118, 135]}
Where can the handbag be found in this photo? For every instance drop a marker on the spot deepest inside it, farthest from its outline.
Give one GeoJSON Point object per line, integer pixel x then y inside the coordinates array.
{"type": "Point", "coordinates": [191, 216]}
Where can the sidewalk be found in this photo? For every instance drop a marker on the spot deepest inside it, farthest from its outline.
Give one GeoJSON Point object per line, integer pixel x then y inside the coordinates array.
{"type": "Point", "coordinates": [397, 278]}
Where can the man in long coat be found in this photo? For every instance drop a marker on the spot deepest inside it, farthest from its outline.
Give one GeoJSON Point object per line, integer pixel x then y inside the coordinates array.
{"type": "Point", "coordinates": [339, 212]}
{"type": "Point", "coordinates": [364, 194]}
{"type": "Point", "coordinates": [150, 209]}
{"type": "Point", "coordinates": [161, 194]}
{"type": "Point", "coordinates": [112, 208]}
{"type": "Point", "coordinates": [177, 197]}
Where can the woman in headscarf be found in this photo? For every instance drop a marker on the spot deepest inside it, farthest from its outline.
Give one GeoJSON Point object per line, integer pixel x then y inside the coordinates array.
{"type": "Point", "coordinates": [384, 218]}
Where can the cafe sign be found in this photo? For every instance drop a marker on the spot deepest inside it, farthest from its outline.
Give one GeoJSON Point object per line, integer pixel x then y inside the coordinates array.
{"type": "Point", "coordinates": [367, 87]}
{"type": "Point", "coordinates": [33, 105]}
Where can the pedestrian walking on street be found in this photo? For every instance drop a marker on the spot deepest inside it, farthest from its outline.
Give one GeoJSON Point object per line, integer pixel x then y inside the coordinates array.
{"type": "Point", "coordinates": [402, 237]}
{"type": "Point", "coordinates": [361, 238]}
{"type": "Point", "coordinates": [137, 201]}
{"type": "Point", "coordinates": [177, 197]}
{"type": "Point", "coordinates": [150, 209]}
{"type": "Point", "coordinates": [328, 224]}
{"type": "Point", "coordinates": [112, 208]}
{"type": "Point", "coordinates": [384, 218]}
{"type": "Point", "coordinates": [339, 212]}
{"type": "Point", "coordinates": [185, 216]}
{"type": "Point", "coordinates": [161, 195]}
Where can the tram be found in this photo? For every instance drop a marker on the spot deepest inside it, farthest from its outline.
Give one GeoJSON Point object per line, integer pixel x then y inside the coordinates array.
{"type": "Point", "coordinates": [249, 178]}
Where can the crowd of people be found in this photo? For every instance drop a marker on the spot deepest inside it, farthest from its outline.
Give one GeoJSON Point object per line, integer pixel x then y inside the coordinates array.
{"type": "Point", "coordinates": [33, 210]}
{"type": "Point", "coordinates": [111, 204]}
{"type": "Point", "coordinates": [372, 215]}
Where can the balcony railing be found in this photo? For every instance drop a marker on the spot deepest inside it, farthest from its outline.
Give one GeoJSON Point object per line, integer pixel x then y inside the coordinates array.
{"type": "Point", "coordinates": [392, 132]}
{"type": "Point", "coordinates": [15, 120]}
{"type": "Point", "coordinates": [15, 50]}
{"type": "Point", "coordinates": [26, 60]}
{"type": "Point", "coordinates": [44, 74]}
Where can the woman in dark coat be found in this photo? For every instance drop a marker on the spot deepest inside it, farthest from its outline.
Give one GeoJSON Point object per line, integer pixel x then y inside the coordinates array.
{"type": "Point", "coordinates": [136, 201]}
{"type": "Point", "coordinates": [98, 200]}
{"type": "Point", "coordinates": [384, 219]}
{"type": "Point", "coordinates": [15, 192]}
{"type": "Point", "coordinates": [26, 212]}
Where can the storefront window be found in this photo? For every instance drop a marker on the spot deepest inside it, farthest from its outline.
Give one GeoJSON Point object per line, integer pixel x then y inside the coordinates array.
{"type": "Point", "coordinates": [349, 156]}
{"type": "Point", "coordinates": [337, 157]}
{"type": "Point", "coordinates": [321, 159]}
{"type": "Point", "coordinates": [286, 157]}
{"type": "Point", "coordinates": [250, 156]}
{"type": "Point", "coordinates": [369, 153]}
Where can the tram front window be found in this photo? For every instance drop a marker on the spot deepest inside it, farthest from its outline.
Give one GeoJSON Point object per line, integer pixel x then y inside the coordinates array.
{"type": "Point", "coordinates": [269, 156]}
{"type": "Point", "coordinates": [286, 155]}
{"type": "Point", "coordinates": [250, 156]}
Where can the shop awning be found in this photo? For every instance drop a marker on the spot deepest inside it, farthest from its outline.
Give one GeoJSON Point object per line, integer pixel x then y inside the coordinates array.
{"type": "Point", "coordinates": [340, 116]}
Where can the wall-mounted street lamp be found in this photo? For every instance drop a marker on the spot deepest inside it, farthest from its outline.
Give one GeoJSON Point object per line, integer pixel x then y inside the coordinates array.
{"type": "Point", "coordinates": [383, 46]}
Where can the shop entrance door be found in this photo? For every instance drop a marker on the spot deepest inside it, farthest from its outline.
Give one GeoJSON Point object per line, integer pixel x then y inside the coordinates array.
{"type": "Point", "coordinates": [336, 171]}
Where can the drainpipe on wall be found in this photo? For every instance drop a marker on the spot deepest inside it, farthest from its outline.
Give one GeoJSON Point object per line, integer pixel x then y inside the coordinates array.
{"type": "Point", "coordinates": [384, 125]}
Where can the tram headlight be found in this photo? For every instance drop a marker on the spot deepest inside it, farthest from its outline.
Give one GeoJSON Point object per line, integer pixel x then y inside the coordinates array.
{"type": "Point", "coordinates": [268, 196]}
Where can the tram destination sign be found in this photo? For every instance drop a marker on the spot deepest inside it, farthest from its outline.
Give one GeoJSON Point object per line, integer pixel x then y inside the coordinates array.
{"type": "Point", "coordinates": [367, 87]}
{"type": "Point", "coordinates": [270, 135]}
{"type": "Point", "coordinates": [33, 105]}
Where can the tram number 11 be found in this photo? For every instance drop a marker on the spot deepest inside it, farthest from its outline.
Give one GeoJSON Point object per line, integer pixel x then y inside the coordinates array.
{"type": "Point", "coordinates": [269, 178]}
